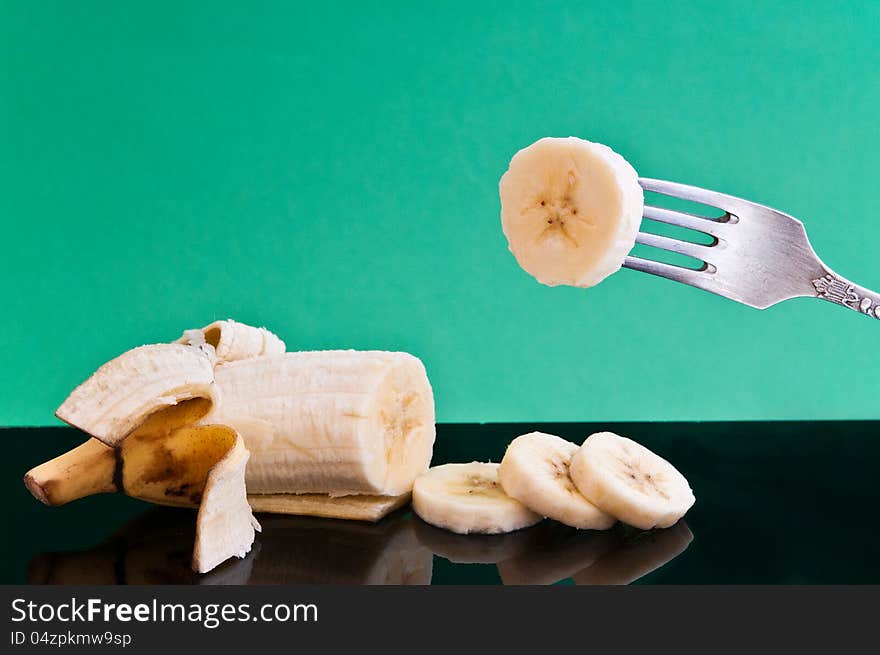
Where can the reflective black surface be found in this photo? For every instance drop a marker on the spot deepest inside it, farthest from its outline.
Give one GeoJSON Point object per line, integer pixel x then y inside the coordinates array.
{"type": "Point", "coordinates": [776, 503]}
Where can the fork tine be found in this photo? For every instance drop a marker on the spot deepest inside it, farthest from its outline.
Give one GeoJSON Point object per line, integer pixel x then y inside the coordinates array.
{"type": "Point", "coordinates": [677, 273]}
{"type": "Point", "coordinates": [681, 219]}
{"type": "Point", "coordinates": [695, 250]}
{"type": "Point", "coordinates": [730, 204]}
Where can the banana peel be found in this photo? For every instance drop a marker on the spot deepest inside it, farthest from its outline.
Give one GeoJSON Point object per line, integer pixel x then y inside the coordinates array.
{"type": "Point", "coordinates": [141, 409]}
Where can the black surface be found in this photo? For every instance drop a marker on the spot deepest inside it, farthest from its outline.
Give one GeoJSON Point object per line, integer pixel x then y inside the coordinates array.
{"type": "Point", "coordinates": [780, 502]}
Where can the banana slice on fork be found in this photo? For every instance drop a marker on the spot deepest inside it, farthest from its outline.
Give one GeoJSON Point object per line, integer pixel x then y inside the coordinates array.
{"type": "Point", "coordinates": [571, 210]}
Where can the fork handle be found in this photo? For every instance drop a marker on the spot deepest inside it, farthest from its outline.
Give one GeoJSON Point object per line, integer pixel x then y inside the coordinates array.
{"type": "Point", "coordinates": [834, 288]}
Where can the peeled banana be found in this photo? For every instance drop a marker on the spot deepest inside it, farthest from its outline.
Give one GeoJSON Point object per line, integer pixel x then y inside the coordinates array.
{"type": "Point", "coordinates": [626, 480]}
{"type": "Point", "coordinates": [468, 498]}
{"type": "Point", "coordinates": [570, 210]}
{"type": "Point", "coordinates": [332, 422]}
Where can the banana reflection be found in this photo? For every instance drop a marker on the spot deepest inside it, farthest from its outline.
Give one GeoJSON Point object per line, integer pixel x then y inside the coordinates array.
{"type": "Point", "coordinates": [550, 552]}
{"type": "Point", "coordinates": [156, 548]}
{"type": "Point", "coordinates": [637, 555]}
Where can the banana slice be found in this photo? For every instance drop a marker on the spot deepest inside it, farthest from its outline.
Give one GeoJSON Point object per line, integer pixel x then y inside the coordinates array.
{"type": "Point", "coordinates": [534, 471]}
{"type": "Point", "coordinates": [468, 498]}
{"type": "Point", "coordinates": [571, 210]}
{"type": "Point", "coordinates": [626, 480]}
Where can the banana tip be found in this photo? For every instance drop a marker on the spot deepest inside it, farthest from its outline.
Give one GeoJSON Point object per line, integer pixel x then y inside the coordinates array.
{"type": "Point", "coordinates": [36, 489]}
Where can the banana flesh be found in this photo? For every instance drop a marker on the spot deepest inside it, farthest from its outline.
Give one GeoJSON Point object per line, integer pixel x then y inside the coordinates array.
{"type": "Point", "coordinates": [332, 422]}
{"type": "Point", "coordinates": [570, 210]}
{"type": "Point", "coordinates": [467, 499]}
{"type": "Point", "coordinates": [535, 472]}
{"type": "Point", "coordinates": [626, 480]}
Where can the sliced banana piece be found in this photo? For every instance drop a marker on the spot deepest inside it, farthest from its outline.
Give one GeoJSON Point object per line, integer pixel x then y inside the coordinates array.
{"type": "Point", "coordinates": [626, 480]}
{"type": "Point", "coordinates": [534, 471]}
{"type": "Point", "coordinates": [571, 210]}
{"type": "Point", "coordinates": [468, 498]}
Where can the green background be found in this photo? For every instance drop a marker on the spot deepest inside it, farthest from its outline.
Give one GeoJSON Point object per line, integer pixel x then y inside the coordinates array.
{"type": "Point", "coordinates": [330, 170]}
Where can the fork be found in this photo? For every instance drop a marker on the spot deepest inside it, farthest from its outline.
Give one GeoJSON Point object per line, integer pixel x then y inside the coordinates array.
{"type": "Point", "coordinates": [758, 256]}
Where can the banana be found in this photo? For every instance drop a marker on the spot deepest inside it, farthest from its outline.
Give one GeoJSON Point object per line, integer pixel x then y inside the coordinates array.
{"type": "Point", "coordinates": [628, 481]}
{"type": "Point", "coordinates": [120, 395]}
{"type": "Point", "coordinates": [636, 557]}
{"type": "Point", "coordinates": [534, 471]}
{"type": "Point", "coordinates": [468, 498]}
{"type": "Point", "coordinates": [322, 424]}
{"type": "Point", "coordinates": [225, 525]}
{"type": "Point", "coordinates": [360, 507]}
{"type": "Point", "coordinates": [570, 210]}
{"type": "Point", "coordinates": [331, 422]}
{"type": "Point", "coordinates": [171, 424]}
{"type": "Point", "coordinates": [233, 341]}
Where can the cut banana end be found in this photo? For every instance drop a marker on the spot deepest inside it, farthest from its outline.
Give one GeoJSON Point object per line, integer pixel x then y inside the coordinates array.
{"type": "Point", "coordinates": [626, 480]}
{"type": "Point", "coordinates": [353, 508]}
{"type": "Point", "coordinates": [123, 392]}
{"type": "Point", "coordinates": [225, 526]}
{"type": "Point", "coordinates": [571, 210]}
{"type": "Point", "coordinates": [534, 471]}
{"type": "Point", "coordinates": [232, 340]}
{"type": "Point", "coordinates": [468, 498]}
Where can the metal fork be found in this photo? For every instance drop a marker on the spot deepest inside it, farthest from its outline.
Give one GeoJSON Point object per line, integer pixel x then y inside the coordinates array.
{"type": "Point", "coordinates": [758, 256]}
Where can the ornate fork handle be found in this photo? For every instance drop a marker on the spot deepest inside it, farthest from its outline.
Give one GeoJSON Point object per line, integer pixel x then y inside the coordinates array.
{"type": "Point", "coordinates": [836, 289]}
